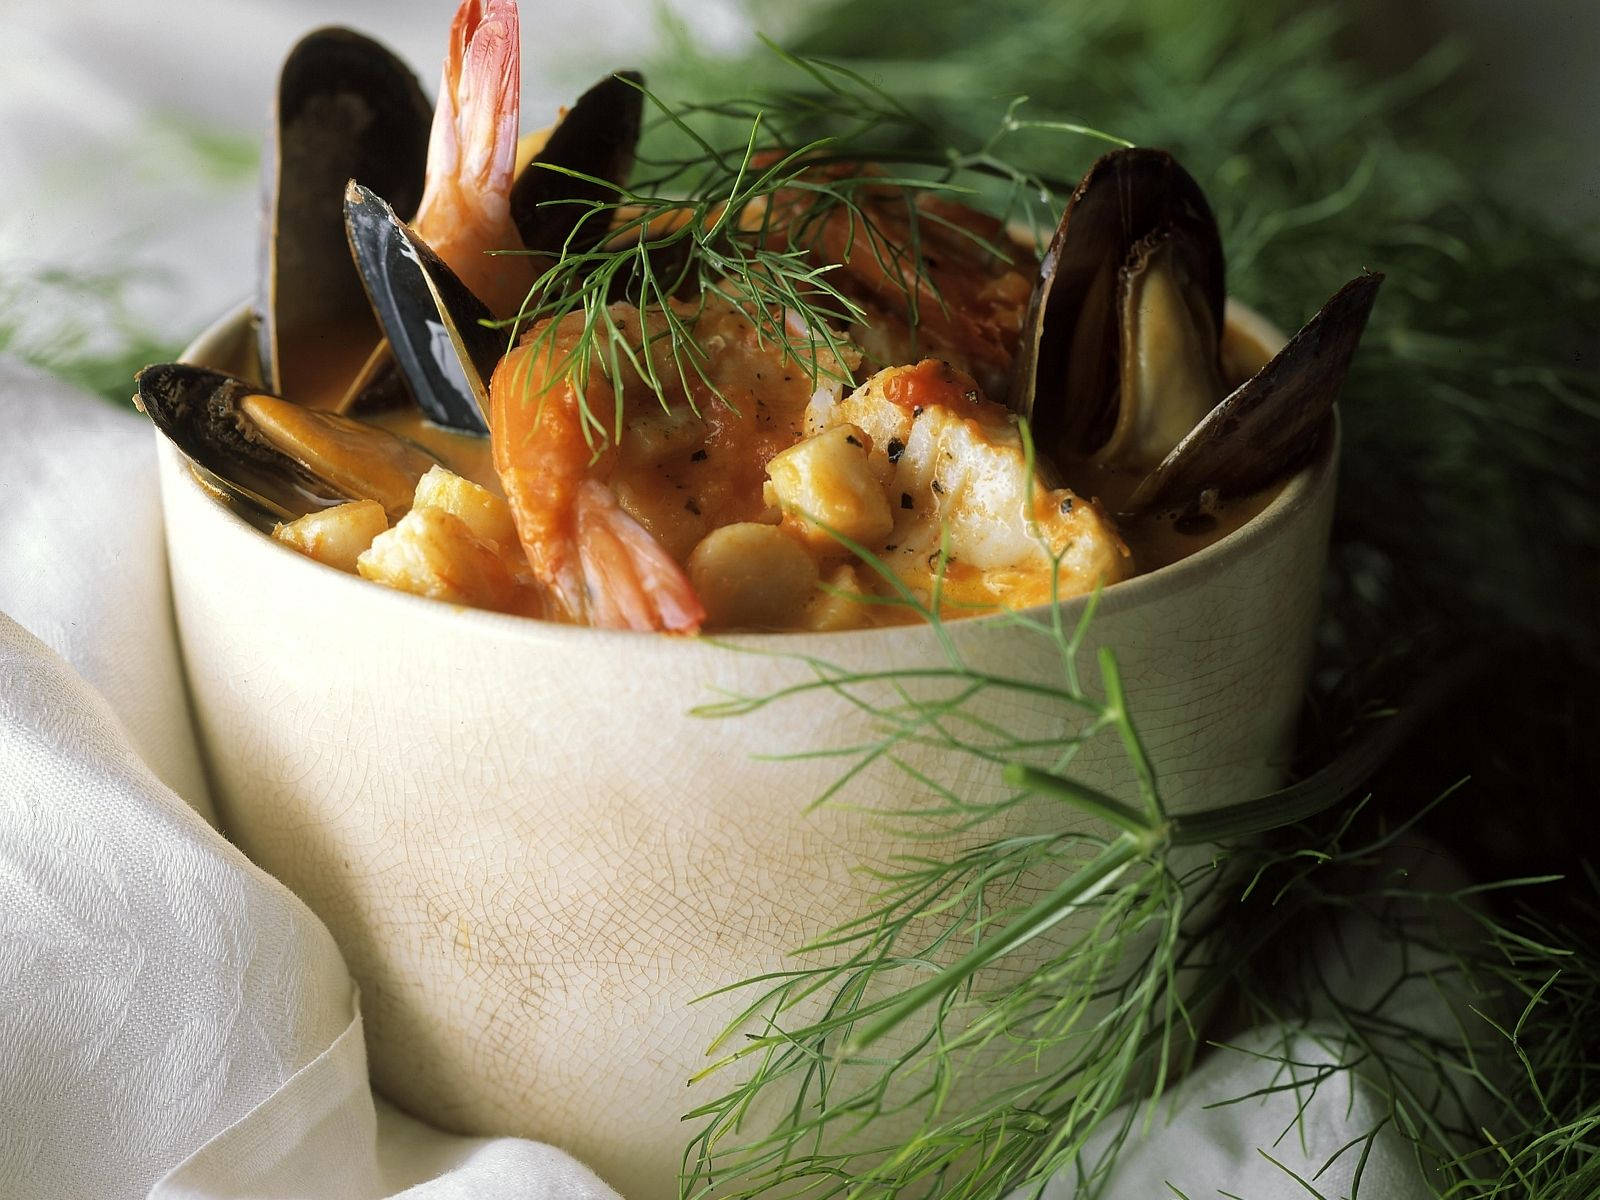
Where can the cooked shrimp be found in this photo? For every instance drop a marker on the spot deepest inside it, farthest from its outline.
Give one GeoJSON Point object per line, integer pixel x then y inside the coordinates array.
{"type": "Point", "coordinates": [606, 568]}
{"type": "Point", "coordinates": [915, 260]}
{"type": "Point", "coordinates": [958, 478]}
{"type": "Point", "coordinates": [607, 523]}
{"type": "Point", "coordinates": [466, 199]}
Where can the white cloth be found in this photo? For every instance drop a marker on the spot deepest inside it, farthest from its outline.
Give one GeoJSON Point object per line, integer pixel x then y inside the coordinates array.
{"type": "Point", "coordinates": [174, 1023]}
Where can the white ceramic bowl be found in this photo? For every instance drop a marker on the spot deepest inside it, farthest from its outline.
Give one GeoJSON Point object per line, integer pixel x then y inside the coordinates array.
{"type": "Point", "coordinates": [534, 857]}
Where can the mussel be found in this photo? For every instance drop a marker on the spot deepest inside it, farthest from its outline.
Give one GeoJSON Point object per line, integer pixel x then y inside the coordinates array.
{"type": "Point", "coordinates": [587, 154]}
{"type": "Point", "coordinates": [345, 108]}
{"type": "Point", "coordinates": [282, 459]}
{"type": "Point", "coordinates": [1120, 363]}
{"type": "Point", "coordinates": [341, 272]}
{"type": "Point", "coordinates": [1271, 424]}
{"type": "Point", "coordinates": [436, 328]}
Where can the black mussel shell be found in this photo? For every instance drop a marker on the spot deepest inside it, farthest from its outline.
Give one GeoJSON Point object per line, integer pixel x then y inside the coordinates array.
{"type": "Point", "coordinates": [434, 324]}
{"type": "Point", "coordinates": [346, 108]}
{"type": "Point", "coordinates": [1270, 425]}
{"type": "Point", "coordinates": [597, 137]}
{"type": "Point", "coordinates": [198, 410]}
{"type": "Point", "coordinates": [282, 458]}
{"type": "Point", "coordinates": [1064, 379]}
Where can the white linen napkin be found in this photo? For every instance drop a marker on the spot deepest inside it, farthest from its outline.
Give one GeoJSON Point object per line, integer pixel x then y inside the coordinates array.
{"type": "Point", "coordinates": [173, 1023]}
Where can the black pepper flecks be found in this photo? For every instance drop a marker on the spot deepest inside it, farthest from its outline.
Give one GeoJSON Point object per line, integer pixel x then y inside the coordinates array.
{"type": "Point", "coordinates": [896, 448]}
{"type": "Point", "coordinates": [905, 500]}
{"type": "Point", "coordinates": [851, 439]}
{"type": "Point", "coordinates": [970, 395]}
{"type": "Point", "coordinates": [692, 506]}
{"type": "Point", "coordinates": [698, 456]}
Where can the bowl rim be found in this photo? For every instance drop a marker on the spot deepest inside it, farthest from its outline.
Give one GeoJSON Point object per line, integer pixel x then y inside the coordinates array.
{"type": "Point", "coordinates": [1302, 491]}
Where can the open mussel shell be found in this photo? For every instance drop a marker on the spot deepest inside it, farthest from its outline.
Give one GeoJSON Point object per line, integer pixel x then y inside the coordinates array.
{"type": "Point", "coordinates": [282, 459]}
{"type": "Point", "coordinates": [1272, 424]}
{"type": "Point", "coordinates": [346, 108]}
{"type": "Point", "coordinates": [435, 325]}
{"type": "Point", "coordinates": [1134, 208]}
{"type": "Point", "coordinates": [596, 138]}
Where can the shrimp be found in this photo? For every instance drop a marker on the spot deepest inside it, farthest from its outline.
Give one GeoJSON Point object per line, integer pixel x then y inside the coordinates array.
{"type": "Point", "coordinates": [466, 199]}
{"type": "Point", "coordinates": [602, 565]}
{"type": "Point", "coordinates": [934, 278]}
{"type": "Point", "coordinates": [607, 521]}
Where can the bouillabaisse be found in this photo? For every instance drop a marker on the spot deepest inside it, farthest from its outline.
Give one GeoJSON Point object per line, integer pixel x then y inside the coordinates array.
{"type": "Point", "coordinates": [841, 416]}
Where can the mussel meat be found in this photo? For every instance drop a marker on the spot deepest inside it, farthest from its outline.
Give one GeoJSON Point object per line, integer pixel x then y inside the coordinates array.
{"type": "Point", "coordinates": [1120, 365]}
{"type": "Point", "coordinates": [282, 458]}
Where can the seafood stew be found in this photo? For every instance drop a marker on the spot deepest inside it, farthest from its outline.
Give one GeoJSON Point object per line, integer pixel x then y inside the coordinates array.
{"type": "Point", "coordinates": [970, 425]}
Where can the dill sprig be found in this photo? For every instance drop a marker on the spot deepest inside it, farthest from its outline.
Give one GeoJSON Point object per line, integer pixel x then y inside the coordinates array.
{"type": "Point", "coordinates": [978, 1026]}
{"type": "Point", "coordinates": [80, 327]}
{"type": "Point", "coordinates": [728, 197]}
{"type": "Point", "coordinates": [868, 1037]}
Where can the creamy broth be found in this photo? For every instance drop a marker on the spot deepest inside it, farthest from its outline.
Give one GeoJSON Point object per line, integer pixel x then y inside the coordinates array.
{"type": "Point", "coordinates": [1158, 539]}
{"type": "Point", "coordinates": [320, 363]}
{"type": "Point", "coordinates": [467, 456]}
{"type": "Point", "coordinates": [1161, 539]}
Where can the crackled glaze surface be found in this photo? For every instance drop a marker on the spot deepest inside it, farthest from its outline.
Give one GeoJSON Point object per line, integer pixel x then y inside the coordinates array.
{"type": "Point", "coordinates": [532, 855]}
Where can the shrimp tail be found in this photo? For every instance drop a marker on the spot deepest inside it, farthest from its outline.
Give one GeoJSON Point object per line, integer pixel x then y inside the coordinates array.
{"type": "Point", "coordinates": [633, 583]}
{"type": "Point", "coordinates": [466, 195]}
{"type": "Point", "coordinates": [474, 133]}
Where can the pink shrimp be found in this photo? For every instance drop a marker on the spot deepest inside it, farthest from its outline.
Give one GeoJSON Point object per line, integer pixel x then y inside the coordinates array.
{"type": "Point", "coordinates": [466, 198]}
{"type": "Point", "coordinates": [603, 565]}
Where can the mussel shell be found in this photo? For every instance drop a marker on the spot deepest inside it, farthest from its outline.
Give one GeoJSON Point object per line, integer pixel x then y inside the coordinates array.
{"type": "Point", "coordinates": [198, 410]}
{"type": "Point", "coordinates": [1071, 330]}
{"type": "Point", "coordinates": [434, 324]}
{"type": "Point", "coordinates": [346, 108]}
{"type": "Point", "coordinates": [597, 137]}
{"type": "Point", "coordinates": [282, 458]}
{"type": "Point", "coordinates": [1270, 425]}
